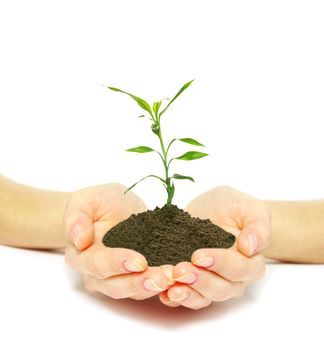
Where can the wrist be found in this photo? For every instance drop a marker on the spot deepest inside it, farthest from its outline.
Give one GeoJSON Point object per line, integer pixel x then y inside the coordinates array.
{"type": "Point", "coordinates": [53, 214]}
{"type": "Point", "coordinates": [31, 217]}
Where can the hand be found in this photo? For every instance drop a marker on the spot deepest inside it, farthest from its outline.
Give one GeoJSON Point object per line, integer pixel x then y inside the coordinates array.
{"type": "Point", "coordinates": [221, 274]}
{"type": "Point", "coordinates": [116, 272]}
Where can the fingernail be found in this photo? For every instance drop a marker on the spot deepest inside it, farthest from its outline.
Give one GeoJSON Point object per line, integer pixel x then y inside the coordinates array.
{"type": "Point", "coordinates": [206, 261]}
{"type": "Point", "coordinates": [77, 232]}
{"type": "Point", "coordinates": [133, 266]}
{"type": "Point", "coordinates": [169, 276]}
{"type": "Point", "coordinates": [152, 286]}
{"type": "Point", "coordinates": [187, 278]}
{"type": "Point", "coordinates": [183, 297]}
{"type": "Point", "coordinates": [252, 243]}
{"type": "Point", "coordinates": [171, 282]}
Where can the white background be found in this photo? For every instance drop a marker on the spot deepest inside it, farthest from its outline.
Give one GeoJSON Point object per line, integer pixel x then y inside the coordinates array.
{"type": "Point", "coordinates": [256, 102]}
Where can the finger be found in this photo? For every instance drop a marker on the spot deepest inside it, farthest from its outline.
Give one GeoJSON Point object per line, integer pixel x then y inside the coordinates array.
{"type": "Point", "coordinates": [104, 262]}
{"type": "Point", "coordinates": [168, 271]}
{"type": "Point", "coordinates": [138, 286]}
{"type": "Point", "coordinates": [163, 296]}
{"type": "Point", "coordinates": [195, 300]}
{"type": "Point", "coordinates": [207, 283]}
{"type": "Point", "coordinates": [188, 297]}
{"type": "Point", "coordinates": [256, 233]}
{"type": "Point", "coordinates": [230, 264]}
{"type": "Point", "coordinates": [78, 223]}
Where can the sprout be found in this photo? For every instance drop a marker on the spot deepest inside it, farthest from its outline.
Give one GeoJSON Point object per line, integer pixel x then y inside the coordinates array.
{"type": "Point", "coordinates": [155, 118]}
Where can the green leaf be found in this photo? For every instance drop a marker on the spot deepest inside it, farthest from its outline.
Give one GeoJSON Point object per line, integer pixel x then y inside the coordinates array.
{"type": "Point", "coordinates": [191, 155]}
{"type": "Point", "coordinates": [157, 177]}
{"type": "Point", "coordinates": [142, 103]}
{"type": "Point", "coordinates": [140, 149]}
{"type": "Point", "coordinates": [171, 142]}
{"type": "Point", "coordinates": [191, 141]}
{"type": "Point", "coordinates": [185, 86]}
{"type": "Point", "coordinates": [182, 177]}
{"type": "Point", "coordinates": [156, 107]}
{"type": "Point", "coordinates": [141, 116]}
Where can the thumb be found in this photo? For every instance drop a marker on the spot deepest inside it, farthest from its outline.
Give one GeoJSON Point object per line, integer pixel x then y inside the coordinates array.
{"type": "Point", "coordinates": [253, 238]}
{"type": "Point", "coordinates": [79, 229]}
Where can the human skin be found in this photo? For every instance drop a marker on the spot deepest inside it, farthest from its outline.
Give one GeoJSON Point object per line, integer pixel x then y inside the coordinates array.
{"type": "Point", "coordinates": [297, 236]}
{"type": "Point", "coordinates": [115, 272]}
{"type": "Point", "coordinates": [33, 218]}
{"type": "Point", "coordinates": [298, 231]}
{"type": "Point", "coordinates": [222, 274]}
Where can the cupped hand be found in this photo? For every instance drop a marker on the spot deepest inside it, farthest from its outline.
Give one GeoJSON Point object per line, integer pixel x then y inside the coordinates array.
{"type": "Point", "coordinates": [116, 272]}
{"type": "Point", "coordinates": [222, 274]}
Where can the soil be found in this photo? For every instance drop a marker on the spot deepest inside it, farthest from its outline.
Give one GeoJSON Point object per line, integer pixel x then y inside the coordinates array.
{"type": "Point", "coordinates": [167, 235]}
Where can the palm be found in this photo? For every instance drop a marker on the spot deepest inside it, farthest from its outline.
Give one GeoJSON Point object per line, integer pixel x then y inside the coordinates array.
{"type": "Point", "coordinates": [230, 209]}
{"type": "Point", "coordinates": [100, 208]}
{"type": "Point", "coordinates": [110, 211]}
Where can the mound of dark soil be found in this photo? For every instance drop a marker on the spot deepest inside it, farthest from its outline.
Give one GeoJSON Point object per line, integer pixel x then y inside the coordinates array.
{"type": "Point", "coordinates": [167, 235]}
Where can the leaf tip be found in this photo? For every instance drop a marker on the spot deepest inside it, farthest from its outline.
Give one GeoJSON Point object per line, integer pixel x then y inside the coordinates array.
{"type": "Point", "coordinates": [112, 88]}
{"type": "Point", "coordinates": [190, 82]}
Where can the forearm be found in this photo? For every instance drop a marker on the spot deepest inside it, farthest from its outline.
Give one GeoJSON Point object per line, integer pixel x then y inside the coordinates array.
{"type": "Point", "coordinates": [298, 231]}
{"type": "Point", "coordinates": [31, 217]}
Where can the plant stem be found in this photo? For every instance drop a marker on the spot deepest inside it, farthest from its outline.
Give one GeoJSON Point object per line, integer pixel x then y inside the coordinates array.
{"type": "Point", "coordinates": [166, 167]}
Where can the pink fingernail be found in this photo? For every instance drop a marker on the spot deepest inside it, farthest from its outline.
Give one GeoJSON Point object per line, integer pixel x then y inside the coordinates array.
{"type": "Point", "coordinates": [152, 286]}
{"type": "Point", "coordinates": [133, 266]}
{"type": "Point", "coordinates": [182, 297]}
{"type": "Point", "coordinates": [252, 243]}
{"type": "Point", "coordinates": [190, 277]}
{"type": "Point", "coordinates": [206, 261]}
{"type": "Point", "coordinates": [76, 234]}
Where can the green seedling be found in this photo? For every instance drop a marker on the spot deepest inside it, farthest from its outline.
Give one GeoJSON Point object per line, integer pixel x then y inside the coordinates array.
{"type": "Point", "coordinates": [155, 118]}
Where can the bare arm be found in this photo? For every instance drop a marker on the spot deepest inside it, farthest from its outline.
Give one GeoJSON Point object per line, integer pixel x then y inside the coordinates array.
{"type": "Point", "coordinates": [298, 231]}
{"type": "Point", "coordinates": [31, 217]}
